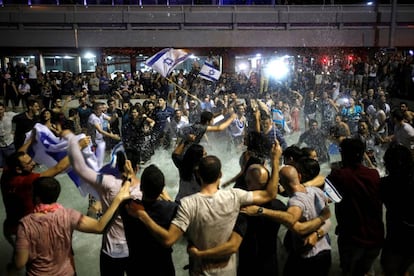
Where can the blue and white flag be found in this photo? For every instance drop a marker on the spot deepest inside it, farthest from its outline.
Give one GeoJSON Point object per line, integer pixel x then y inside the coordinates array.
{"type": "Point", "coordinates": [331, 192]}
{"type": "Point", "coordinates": [166, 60]}
{"type": "Point", "coordinates": [209, 72]}
{"type": "Point", "coordinates": [49, 150]}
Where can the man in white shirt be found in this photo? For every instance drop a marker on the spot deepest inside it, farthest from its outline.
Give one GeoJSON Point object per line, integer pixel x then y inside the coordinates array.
{"type": "Point", "coordinates": [208, 217]}
{"type": "Point", "coordinates": [96, 130]}
{"type": "Point", "coordinates": [6, 134]}
{"type": "Point", "coordinates": [175, 124]}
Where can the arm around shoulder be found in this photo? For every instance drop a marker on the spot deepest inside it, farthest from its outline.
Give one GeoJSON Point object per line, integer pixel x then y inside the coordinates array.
{"type": "Point", "coordinates": [263, 196]}
{"type": "Point", "coordinates": [167, 237]}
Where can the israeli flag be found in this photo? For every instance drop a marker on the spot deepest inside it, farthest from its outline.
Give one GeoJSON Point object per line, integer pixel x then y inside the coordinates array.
{"type": "Point", "coordinates": [209, 72]}
{"type": "Point", "coordinates": [277, 117]}
{"type": "Point", "coordinates": [49, 150]}
{"type": "Point", "coordinates": [331, 192]}
{"type": "Point", "coordinates": [166, 60]}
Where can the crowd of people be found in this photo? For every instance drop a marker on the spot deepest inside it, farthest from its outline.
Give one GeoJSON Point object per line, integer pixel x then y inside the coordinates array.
{"type": "Point", "coordinates": [187, 116]}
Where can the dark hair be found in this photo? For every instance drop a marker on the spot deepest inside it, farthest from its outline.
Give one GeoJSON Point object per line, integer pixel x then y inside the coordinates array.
{"type": "Point", "coordinates": [293, 152]}
{"type": "Point", "coordinates": [1, 104]}
{"type": "Point", "coordinates": [205, 117]}
{"type": "Point", "coordinates": [191, 158]}
{"type": "Point", "coordinates": [134, 107]}
{"type": "Point", "coordinates": [110, 101]}
{"type": "Point", "coordinates": [209, 169]}
{"type": "Point", "coordinates": [73, 112]}
{"type": "Point", "coordinates": [13, 161]}
{"type": "Point", "coordinates": [96, 105]}
{"type": "Point", "coordinates": [397, 114]}
{"type": "Point", "coordinates": [352, 151]}
{"type": "Point", "coordinates": [31, 103]}
{"type": "Point", "coordinates": [46, 189]}
{"type": "Point", "coordinates": [42, 114]}
{"type": "Point", "coordinates": [259, 144]}
{"type": "Point", "coordinates": [254, 160]}
{"type": "Point", "coordinates": [306, 151]}
{"type": "Point", "coordinates": [264, 116]}
{"type": "Point", "coordinates": [398, 160]}
{"type": "Point", "coordinates": [134, 156]}
{"type": "Point", "coordinates": [308, 168]}
{"type": "Point", "coordinates": [152, 182]}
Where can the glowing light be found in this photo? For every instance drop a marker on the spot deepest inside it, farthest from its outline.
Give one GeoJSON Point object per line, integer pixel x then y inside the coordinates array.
{"type": "Point", "coordinates": [89, 55]}
{"type": "Point", "coordinates": [277, 68]}
{"type": "Point", "coordinates": [370, 3]}
{"type": "Point", "coordinates": [344, 101]}
{"type": "Point", "coordinates": [242, 66]}
{"type": "Point", "coordinates": [411, 52]}
{"type": "Point", "coordinates": [258, 55]}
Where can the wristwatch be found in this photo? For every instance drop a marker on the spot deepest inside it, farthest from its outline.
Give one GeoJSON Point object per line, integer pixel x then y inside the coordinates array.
{"type": "Point", "coordinates": [260, 211]}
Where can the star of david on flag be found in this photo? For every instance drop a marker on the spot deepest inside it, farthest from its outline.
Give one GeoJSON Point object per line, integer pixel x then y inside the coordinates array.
{"type": "Point", "coordinates": [209, 72]}
{"type": "Point", "coordinates": [166, 60]}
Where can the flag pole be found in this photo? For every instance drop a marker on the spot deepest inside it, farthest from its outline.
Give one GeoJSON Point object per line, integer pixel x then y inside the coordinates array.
{"type": "Point", "coordinates": [182, 89]}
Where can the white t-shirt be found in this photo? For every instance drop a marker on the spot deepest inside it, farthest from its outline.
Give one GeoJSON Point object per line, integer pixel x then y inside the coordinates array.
{"type": "Point", "coordinates": [208, 221]}
{"type": "Point", "coordinates": [311, 203]}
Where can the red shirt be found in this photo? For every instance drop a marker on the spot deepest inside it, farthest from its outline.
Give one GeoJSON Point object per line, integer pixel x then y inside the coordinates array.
{"type": "Point", "coordinates": [17, 192]}
{"type": "Point", "coordinates": [359, 214]}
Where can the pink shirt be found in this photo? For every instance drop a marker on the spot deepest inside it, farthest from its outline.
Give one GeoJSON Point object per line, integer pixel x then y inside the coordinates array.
{"type": "Point", "coordinates": [48, 238]}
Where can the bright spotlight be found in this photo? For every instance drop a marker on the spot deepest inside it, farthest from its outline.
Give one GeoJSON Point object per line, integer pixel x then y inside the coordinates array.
{"type": "Point", "coordinates": [277, 69]}
{"type": "Point", "coordinates": [370, 3]}
{"type": "Point", "coordinates": [89, 55]}
{"type": "Point", "coordinates": [242, 66]}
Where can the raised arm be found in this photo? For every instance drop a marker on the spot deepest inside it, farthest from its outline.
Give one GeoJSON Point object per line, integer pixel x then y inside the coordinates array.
{"type": "Point", "coordinates": [257, 120]}
{"type": "Point", "coordinates": [264, 107]}
{"type": "Point", "coordinates": [61, 166]}
{"type": "Point", "coordinates": [223, 125]}
{"type": "Point", "coordinates": [90, 225]}
{"type": "Point", "coordinates": [77, 161]}
{"type": "Point", "coordinates": [263, 196]}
